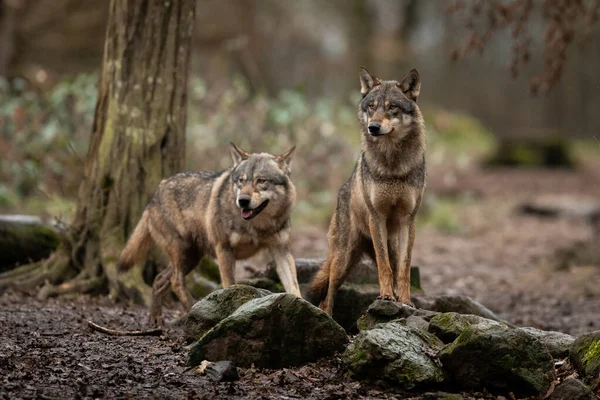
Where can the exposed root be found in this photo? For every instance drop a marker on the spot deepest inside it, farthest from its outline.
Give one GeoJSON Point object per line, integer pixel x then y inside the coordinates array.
{"type": "Point", "coordinates": [29, 277]}
{"type": "Point", "coordinates": [96, 271]}
{"type": "Point", "coordinates": [19, 271]}
{"type": "Point", "coordinates": [54, 269]}
{"type": "Point", "coordinates": [116, 332]}
{"type": "Point", "coordinates": [73, 286]}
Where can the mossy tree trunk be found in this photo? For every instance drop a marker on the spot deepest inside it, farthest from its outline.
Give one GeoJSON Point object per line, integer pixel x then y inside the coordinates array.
{"type": "Point", "coordinates": [138, 137]}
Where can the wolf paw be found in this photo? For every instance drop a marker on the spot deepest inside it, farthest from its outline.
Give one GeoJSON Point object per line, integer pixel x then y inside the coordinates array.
{"type": "Point", "coordinates": [387, 298]}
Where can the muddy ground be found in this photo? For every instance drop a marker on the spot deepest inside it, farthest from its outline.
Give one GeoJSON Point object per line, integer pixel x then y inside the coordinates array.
{"type": "Point", "coordinates": [500, 257]}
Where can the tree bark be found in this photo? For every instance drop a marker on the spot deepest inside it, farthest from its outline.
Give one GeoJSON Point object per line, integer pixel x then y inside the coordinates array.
{"type": "Point", "coordinates": [138, 137]}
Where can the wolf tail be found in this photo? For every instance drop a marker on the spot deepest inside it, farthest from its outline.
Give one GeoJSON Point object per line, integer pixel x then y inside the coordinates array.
{"type": "Point", "coordinates": [137, 246]}
{"type": "Point", "coordinates": [320, 284]}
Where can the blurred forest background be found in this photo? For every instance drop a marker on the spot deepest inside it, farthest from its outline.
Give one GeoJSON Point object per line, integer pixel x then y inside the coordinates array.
{"type": "Point", "coordinates": [268, 74]}
{"type": "Point", "coordinates": [510, 93]}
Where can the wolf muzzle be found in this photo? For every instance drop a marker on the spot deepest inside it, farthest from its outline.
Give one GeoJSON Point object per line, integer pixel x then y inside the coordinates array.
{"type": "Point", "coordinates": [243, 203]}
{"type": "Point", "coordinates": [375, 129]}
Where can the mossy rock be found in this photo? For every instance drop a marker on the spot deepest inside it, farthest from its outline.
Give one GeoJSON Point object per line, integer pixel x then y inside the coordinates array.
{"type": "Point", "coordinates": [500, 359]}
{"type": "Point", "coordinates": [364, 272]}
{"type": "Point", "coordinates": [572, 389]}
{"type": "Point", "coordinates": [25, 239]}
{"type": "Point", "coordinates": [215, 307]}
{"type": "Point", "coordinates": [457, 304]}
{"type": "Point", "coordinates": [448, 326]}
{"type": "Point", "coordinates": [266, 284]}
{"type": "Point", "coordinates": [396, 352]}
{"type": "Point", "coordinates": [199, 286]}
{"type": "Point", "coordinates": [585, 355]}
{"type": "Point", "coordinates": [557, 343]}
{"type": "Point", "coordinates": [275, 331]}
{"type": "Point", "coordinates": [381, 311]}
{"type": "Point", "coordinates": [351, 302]}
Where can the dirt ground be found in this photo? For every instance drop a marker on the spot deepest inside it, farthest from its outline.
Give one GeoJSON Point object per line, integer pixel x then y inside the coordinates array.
{"type": "Point", "coordinates": [500, 257]}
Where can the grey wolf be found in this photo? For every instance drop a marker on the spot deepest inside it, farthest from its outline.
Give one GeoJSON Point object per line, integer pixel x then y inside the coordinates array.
{"type": "Point", "coordinates": [230, 215]}
{"type": "Point", "coordinates": [376, 207]}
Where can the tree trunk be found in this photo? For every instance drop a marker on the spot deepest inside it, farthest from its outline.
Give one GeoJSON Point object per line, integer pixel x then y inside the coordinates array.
{"type": "Point", "coordinates": [138, 137]}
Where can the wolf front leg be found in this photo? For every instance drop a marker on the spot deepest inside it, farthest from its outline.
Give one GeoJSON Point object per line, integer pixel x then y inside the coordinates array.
{"type": "Point", "coordinates": [398, 249]}
{"type": "Point", "coordinates": [412, 233]}
{"type": "Point", "coordinates": [286, 270]}
{"type": "Point", "coordinates": [379, 236]}
{"type": "Point", "coordinates": [226, 261]}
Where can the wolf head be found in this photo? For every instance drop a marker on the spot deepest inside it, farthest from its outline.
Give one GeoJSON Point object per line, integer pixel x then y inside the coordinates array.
{"type": "Point", "coordinates": [389, 109]}
{"type": "Point", "coordinates": [262, 184]}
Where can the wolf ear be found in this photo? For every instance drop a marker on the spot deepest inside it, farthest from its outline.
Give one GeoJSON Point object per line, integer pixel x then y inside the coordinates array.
{"type": "Point", "coordinates": [285, 160]}
{"type": "Point", "coordinates": [238, 155]}
{"type": "Point", "coordinates": [367, 81]}
{"type": "Point", "coordinates": [411, 85]}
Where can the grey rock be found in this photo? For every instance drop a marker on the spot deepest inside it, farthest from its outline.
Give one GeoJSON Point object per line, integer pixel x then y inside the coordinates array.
{"type": "Point", "coordinates": [499, 358]}
{"type": "Point", "coordinates": [585, 355]}
{"type": "Point", "coordinates": [219, 371]}
{"type": "Point", "coordinates": [557, 343]}
{"type": "Point", "coordinates": [215, 307]}
{"type": "Point", "coordinates": [457, 304]}
{"type": "Point", "coordinates": [384, 311]}
{"type": "Point", "coordinates": [274, 331]}
{"type": "Point", "coordinates": [448, 326]}
{"type": "Point", "coordinates": [572, 389]}
{"type": "Point", "coordinates": [397, 353]}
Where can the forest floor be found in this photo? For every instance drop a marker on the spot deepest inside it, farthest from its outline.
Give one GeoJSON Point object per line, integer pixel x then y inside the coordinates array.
{"type": "Point", "coordinates": [498, 255]}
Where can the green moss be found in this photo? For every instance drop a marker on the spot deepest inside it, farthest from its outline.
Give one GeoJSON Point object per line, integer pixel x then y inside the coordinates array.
{"type": "Point", "coordinates": [592, 354]}
{"type": "Point", "coordinates": [444, 319]}
{"type": "Point", "coordinates": [359, 357]}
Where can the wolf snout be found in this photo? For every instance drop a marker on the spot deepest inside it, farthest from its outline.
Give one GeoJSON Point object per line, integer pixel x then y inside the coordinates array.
{"type": "Point", "coordinates": [243, 201]}
{"type": "Point", "coordinates": [375, 128]}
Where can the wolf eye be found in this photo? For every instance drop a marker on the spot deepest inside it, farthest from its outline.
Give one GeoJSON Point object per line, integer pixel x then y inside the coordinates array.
{"type": "Point", "coordinates": [371, 106]}
{"type": "Point", "coordinates": [392, 107]}
{"type": "Point", "coordinates": [260, 181]}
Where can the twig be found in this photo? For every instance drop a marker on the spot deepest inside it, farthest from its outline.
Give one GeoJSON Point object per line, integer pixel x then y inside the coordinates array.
{"type": "Point", "coordinates": [116, 332]}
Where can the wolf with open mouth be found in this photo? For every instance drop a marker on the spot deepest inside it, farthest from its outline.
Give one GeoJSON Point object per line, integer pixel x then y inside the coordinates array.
{"type": "Point", "coordinates": [230, 215]}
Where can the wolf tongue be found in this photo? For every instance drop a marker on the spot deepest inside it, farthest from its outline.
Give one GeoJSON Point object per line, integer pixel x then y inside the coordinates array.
{"type": "Point", "coordinates": [246, 213]}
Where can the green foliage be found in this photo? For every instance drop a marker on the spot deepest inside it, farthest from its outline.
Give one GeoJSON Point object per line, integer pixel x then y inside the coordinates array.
{"type": "Point", "coordinates": [44, 137]}
{"type": "Point", "coordinates": [443, 213]}
{"type": "Point", "coordinates": [455, 136]}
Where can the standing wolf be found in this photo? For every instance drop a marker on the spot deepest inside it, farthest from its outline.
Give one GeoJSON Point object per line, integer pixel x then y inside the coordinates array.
{"type": "Point", "coordinates": [376, 208]}
{"type": "Point", "coordinates": [231, 215]}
